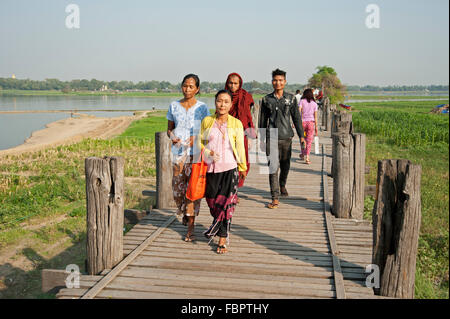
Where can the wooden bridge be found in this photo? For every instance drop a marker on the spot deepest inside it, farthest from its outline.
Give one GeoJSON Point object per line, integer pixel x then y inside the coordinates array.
{"type": "Point", "coordinates": [296, 251]}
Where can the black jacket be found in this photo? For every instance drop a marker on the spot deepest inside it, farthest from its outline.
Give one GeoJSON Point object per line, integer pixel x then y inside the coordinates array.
{"type": "Point", "coordinates": [277, 113]}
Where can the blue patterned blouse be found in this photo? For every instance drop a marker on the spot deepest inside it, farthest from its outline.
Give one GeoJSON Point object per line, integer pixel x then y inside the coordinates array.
{"type": "Point", "coordinates": [187, 124]}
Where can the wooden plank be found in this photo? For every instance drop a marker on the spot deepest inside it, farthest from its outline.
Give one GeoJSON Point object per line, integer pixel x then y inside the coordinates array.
{"type": "Point", "coordinates": [337, 272]}
{"type": "Point", "coordinates": [275, 260]}
{"type": "Point", "coordinates": [250, 246]}
{"type": "Point", "coordinates": [300, 238]}
{"type": "Point", "coordinates": [211, 273]}
{"type": "Point", "coordinates": [53, 279]}
{"type": "Point", "coordinates": [132, 294]}
{"type": "Point", "coordinates": [224, 288]}
{"type": "Point", "coordinates": [127, 260]}
{"type": "Point", "coordinates": [227, 267]}
{"type": "Point", "coordinates": [265, 241]}
{"type": "Point", "coordinates": [214, 278]}
{"type": "Point", "coordinates": [200, 253]}
{"type": "Point", "coordinates": [245, 250]}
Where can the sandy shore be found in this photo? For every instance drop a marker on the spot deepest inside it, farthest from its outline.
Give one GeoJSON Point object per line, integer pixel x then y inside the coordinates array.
{"type": "Point", "coordinates": [72, 130]}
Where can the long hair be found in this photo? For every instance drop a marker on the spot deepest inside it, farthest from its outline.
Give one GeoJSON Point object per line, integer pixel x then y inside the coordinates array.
{"type": "Point", "coordinates": [308, 95]}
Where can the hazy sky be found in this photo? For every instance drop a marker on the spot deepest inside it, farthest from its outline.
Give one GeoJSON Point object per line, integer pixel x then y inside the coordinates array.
{"type": "Point", "coordinates": [141, 40]}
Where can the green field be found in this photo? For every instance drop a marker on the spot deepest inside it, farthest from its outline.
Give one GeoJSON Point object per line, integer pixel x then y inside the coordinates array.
{"type": "Point", "coordinates": [43, 202]}
{"type": "Point", "coordinates": [396, 97]}
{"type": "Point", "coordinates": [406, 130]}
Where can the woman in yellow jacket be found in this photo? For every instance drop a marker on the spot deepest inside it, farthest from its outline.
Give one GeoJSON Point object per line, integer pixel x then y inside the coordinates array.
{"type": "Point", "coordinates": [222, 138]}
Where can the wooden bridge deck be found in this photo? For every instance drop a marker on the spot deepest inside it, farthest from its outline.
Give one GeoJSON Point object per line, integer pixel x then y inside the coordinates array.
{"type": "Point", "coordinates": [296, 251]}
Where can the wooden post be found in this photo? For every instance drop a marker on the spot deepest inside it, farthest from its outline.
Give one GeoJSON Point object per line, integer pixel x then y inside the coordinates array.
{"type": "Point", "coordinates": [323, 115]}
{"type": "Point", "coordinates": [164, 171]}
{"type": "Point", "coordinates": [348, 175]}
{"type": "Point", "coordinates": [359, 166]}
{"type": "Point", "coordinates": [327, 115]}
{"type": "Point", "coordinates": [396, 221]}
{"type": "Point", "coordinates": [104, 202]}
{"type": "Point", "coordinates": [332, 119]}
{"type": "Point", "coordinates": [343, 175]}
{"type": "Point", "coordinates": [341, 122]}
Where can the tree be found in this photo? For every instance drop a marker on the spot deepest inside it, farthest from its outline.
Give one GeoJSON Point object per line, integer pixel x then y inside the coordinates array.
{"type": "Point", "coordinates": [327, 79]}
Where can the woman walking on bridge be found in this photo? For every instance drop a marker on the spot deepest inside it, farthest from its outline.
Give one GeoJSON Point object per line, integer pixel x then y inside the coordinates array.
{"type": "Point", "coordinates": [308, 110]}
{"type": "Point", "coordinates": [183, 124]}
{"type": "Point", "coordinates": [222, 139]}
{"type": "Point", "coordinates": [241, 109]}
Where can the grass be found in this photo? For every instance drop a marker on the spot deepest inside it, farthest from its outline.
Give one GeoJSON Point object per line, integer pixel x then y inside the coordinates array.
{"type": "Point", "coordinates": [395, 97]}
{"type": "Point", "coordinates": [42, 202]}
{"type": "Point", "coordinates": [406, 130]}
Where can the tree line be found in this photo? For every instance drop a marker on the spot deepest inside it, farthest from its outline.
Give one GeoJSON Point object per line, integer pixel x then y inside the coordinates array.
{"type": "Point", "coordinates": [162, 86]}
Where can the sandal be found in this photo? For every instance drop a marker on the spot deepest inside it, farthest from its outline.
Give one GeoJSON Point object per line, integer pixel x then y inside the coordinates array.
{"type": "Point", "coordinates": [272, 205]}
{"type": "Point", "coordinates": [308, 162]}
{"type": "Point", "coordinates": [221, 249]}
{"type": "Point", "coordinates": [189, 238]}
{"type": "Point", "coordinates": [302, 157]}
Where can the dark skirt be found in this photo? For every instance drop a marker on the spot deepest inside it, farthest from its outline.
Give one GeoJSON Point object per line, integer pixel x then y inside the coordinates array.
{"type": "Point", "coordinates": [221, 197]}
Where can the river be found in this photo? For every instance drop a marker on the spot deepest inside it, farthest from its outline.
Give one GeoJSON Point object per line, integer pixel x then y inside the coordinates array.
{"type": "Point", "coordinates": [16, 127]}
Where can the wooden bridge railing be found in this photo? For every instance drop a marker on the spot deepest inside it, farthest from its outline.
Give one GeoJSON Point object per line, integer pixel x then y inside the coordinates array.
{"type": "Point", "coordinates": [397, 210]}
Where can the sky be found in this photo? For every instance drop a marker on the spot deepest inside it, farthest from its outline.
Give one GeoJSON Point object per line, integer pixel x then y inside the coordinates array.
{"type": "Point", "coordinates": [144, 40]}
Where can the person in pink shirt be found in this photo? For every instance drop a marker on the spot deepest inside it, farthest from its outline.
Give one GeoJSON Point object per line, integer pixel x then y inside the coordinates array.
{"type": "Point", "coordinates": [308, 110]}
{"type": "Point", "coordinates": [222, 141]}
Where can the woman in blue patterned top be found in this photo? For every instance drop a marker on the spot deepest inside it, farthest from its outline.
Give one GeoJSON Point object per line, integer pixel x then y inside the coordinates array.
{"type": "Point", "coordinates": [184, 120]}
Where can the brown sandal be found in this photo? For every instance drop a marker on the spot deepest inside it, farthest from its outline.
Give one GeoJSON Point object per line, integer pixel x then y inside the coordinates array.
{"type": "Point", "coordinates": [222, 249]}
{"type": "Point", "coordinates": [272, 205]}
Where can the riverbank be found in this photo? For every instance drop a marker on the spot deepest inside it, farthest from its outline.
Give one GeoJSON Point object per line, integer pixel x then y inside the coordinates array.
{"type": "Point", "coordinates": [72, 130]}
{"type": "Point", "coordinates": [351, 95]}
{"type": "Point", "coordinates": [43, 202]}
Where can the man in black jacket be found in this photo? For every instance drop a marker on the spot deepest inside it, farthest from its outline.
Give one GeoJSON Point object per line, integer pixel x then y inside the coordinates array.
{"type": "Point", "coordinates": [277, 109]}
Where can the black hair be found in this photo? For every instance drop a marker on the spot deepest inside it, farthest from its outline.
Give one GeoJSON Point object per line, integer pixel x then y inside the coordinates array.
{"type": "Point", "coordinates": [224, 92]}
{"type": "Point", "coordinates": [196, 79]}
{"type": "Point", "coordinates": [308, 95]}
{"type": "Point", "coordinates": [297, 92]}
{"type": "Point", "coordinates": [278, 72]}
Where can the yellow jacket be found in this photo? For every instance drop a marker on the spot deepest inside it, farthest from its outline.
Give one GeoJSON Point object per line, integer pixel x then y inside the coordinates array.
{"type": "Point", "coordinates": [235, 134]}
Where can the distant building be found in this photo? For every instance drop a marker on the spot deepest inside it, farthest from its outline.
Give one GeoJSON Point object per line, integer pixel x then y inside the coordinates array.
{"type": "Point", "coordinates": [104, 88]}
{"type": "Point", "coordinates": [13, 76]}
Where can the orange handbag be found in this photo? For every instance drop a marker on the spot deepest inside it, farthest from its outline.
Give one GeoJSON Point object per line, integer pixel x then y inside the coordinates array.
{"type": "Point", "coordinates": [197, 180]}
